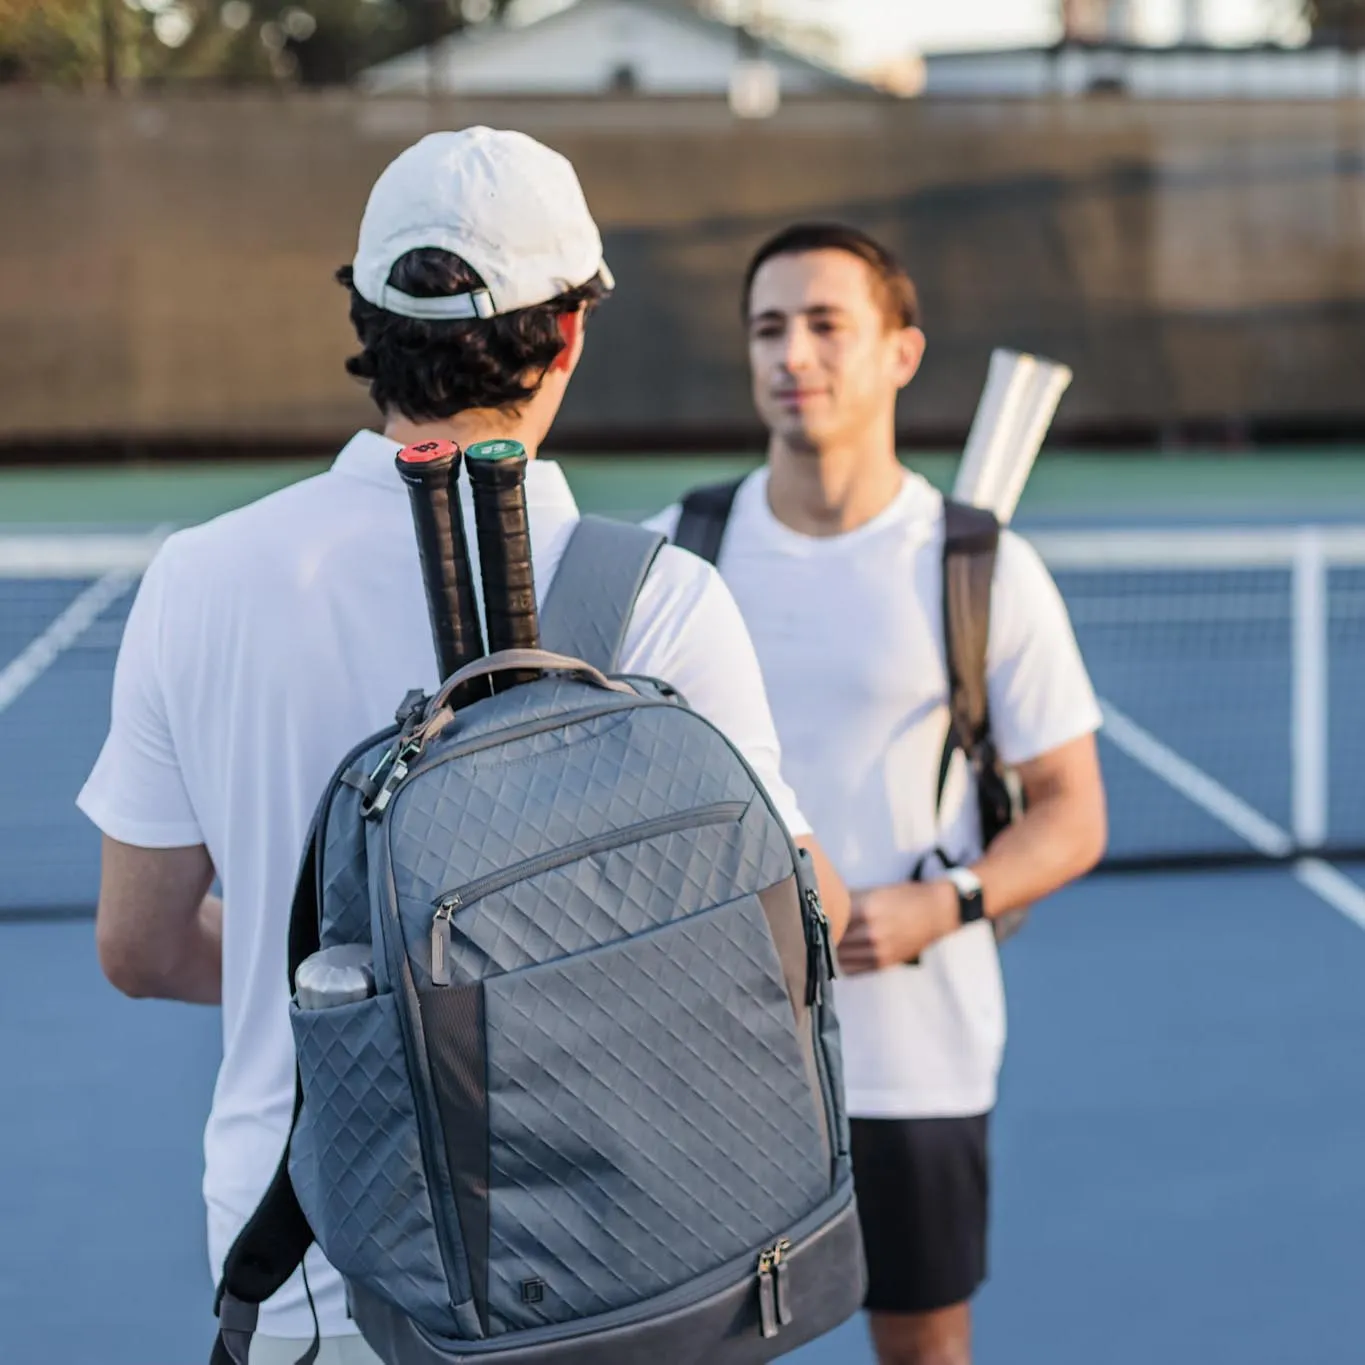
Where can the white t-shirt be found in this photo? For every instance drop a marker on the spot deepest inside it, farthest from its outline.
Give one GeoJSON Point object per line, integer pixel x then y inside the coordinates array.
{"type": "Point", "coordinates": [849, 633]}
{"type": "Point", "coordinates": [263, 645]}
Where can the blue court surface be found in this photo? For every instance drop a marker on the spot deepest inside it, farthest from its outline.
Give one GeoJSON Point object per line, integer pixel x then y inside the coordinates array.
{"type": "Point", "coordinates": [1178, 1146]}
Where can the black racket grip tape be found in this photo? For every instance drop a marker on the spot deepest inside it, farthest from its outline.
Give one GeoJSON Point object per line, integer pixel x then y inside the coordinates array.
{"type": "Point", "coordinates": [497, 476]}
{"type": "Point", "coordinates": [431, 471]}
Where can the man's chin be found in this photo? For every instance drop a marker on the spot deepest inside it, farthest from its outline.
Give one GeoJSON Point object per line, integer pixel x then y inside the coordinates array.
{"type": "Point", "coordinates": [806, 438]}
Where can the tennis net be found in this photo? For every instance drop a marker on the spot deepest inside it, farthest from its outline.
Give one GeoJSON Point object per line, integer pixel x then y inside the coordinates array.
{"type": "Point", "coordinates": [1227, 661]}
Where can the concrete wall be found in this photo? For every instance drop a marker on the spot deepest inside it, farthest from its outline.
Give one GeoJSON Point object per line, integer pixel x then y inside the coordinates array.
{"type": "Point", "coordinates": [166, 265]}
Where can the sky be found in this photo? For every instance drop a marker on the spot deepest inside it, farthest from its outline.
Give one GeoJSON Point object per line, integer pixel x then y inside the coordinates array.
{"type": "Point", "coordinates": [873, 28]}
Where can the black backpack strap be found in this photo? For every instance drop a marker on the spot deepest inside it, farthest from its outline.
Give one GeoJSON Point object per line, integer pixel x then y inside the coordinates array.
{"type": "Point", "coordinates": [704, 517]}
{"type": "Point", "coordinates": [971, 539]}
{"type": "Point", "coordinates": [272, 1245]}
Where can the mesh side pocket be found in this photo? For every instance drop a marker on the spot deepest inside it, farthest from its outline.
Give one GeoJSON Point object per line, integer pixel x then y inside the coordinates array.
{"type": "Point", "coordinates": [356, 1161]}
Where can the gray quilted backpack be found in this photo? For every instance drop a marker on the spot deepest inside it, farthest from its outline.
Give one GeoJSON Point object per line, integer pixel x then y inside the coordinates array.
{"type": "Point", "coordinates": [591, 1113]}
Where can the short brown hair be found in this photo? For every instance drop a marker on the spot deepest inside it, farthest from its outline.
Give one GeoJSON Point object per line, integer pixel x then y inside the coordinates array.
{"type": "Point", "coordinates": [897, 292]}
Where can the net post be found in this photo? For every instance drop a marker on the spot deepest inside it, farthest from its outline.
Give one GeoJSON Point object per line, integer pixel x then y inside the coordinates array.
{"type": "Point", "coordinates": [1308, 740]}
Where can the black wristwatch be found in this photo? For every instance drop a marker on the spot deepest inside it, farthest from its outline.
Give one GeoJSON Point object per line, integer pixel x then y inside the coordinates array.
{"type": "Point", "coordinates": [970, 906]}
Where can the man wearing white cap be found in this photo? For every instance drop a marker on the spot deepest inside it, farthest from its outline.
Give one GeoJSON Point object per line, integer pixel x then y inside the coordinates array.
{"type": "Point", "coordinates": [264, 644]}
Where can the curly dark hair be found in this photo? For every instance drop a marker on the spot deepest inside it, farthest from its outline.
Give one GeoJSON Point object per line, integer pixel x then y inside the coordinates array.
{"type": "Point", "coordinates": [429, 370]}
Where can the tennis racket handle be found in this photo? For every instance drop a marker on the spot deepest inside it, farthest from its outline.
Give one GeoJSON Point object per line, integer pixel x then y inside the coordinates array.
{"type": "Point", "coordinates": [431, 472]}
{"type": "Point", "coordinates": [497, 476]}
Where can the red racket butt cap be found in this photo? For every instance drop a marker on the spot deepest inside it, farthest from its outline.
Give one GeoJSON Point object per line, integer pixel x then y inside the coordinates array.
{"type": "Point", "coordinates": [425, 452]}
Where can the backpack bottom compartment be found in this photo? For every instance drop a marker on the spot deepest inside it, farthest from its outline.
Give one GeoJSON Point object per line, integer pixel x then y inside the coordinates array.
{"type": "Point", "coordinates": [826, 1284]}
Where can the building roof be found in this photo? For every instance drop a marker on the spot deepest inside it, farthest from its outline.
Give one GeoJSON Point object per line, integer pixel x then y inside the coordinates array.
{"type": "Point", "coordinates": [1186, 71]}
{"type": "Point", "coordinates": [502, 57]}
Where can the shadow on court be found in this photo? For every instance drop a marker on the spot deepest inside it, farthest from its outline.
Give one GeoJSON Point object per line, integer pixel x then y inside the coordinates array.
{"type": "Point", "coordinates": [1178, 1173]}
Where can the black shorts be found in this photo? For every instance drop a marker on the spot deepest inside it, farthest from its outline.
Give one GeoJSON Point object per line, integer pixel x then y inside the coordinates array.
{"type": "Point", "coordinates": [922, 1197]}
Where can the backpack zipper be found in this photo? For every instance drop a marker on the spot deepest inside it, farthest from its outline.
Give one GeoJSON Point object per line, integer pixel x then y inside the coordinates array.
{"type": "Point", "coordinates": [721, 812]}
{"type": "Point", "coordinates": [819, 972]}
{"type": "Point", "coordinates": [774, 1302]}
{"type": "Point", "coordinates": [682, 1296]}
{"type": "Point", "coordinates": [819, 953]}
{"type": "Point", "coordinates": [397, 763]}
{"type": "Point", "coordinates": [445, 1217]}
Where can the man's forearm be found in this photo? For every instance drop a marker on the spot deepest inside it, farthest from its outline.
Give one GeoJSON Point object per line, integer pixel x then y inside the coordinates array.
{"type": "Point", "coordinates": [197, 976]}
{"type": "Point", "coordinates": [1056, 840]}
{"type": "Point", "coordinates": [188, 968]}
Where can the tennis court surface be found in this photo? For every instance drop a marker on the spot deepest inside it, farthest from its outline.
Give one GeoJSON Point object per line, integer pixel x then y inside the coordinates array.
{"type": "Point", "coordinates": [1182, 1111]}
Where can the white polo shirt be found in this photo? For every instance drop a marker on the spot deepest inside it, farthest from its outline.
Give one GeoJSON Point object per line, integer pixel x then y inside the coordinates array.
{"type": "Point", "coordinates": [849, 633]}
{"type": "Point", "coordinates": [263, 645]}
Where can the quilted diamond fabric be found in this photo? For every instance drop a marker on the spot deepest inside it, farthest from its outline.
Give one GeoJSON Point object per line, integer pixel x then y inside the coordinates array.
{"type": "Point", "coordinates": [490, 810]}
{"type": "Point", "coordinates": [613, 895]}
{"type": "Point", "coordinates": [345, 883]}
{"type": "Point", "coordinates": [649, 1112]}
{"type": "Point", "coordinates": [649, 1117]}
{"type": "Point", "coordinates": [355, 1160]}
{"type": "Point", "coordinates": [346, 910]}
{"type": "Point", "coordinates": [550, 696]}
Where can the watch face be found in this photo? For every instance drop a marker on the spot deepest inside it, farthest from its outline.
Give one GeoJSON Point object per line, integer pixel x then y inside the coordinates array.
{"type": "Point", "coordinates": [966, 881]}
{"type": "Point", "coordinates": [969, 903]}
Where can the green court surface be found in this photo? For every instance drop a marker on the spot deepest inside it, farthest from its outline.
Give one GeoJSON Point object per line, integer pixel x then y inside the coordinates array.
{"type": "Point", "coordinates": [1098, 486]}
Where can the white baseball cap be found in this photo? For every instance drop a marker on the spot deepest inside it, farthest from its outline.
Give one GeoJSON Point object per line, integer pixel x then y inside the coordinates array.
{"type": "Point", "coordinates": [501, 201]}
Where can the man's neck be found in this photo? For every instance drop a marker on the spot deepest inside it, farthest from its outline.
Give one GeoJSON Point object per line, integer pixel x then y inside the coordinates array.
{"type": "Point", "coordinates": [832, 491]}
{"type": "Point", "coordinates": [465, 428]}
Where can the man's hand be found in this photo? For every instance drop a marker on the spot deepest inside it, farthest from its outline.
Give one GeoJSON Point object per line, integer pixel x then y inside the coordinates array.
{"type": "Point", "coordinates": [890, 925]}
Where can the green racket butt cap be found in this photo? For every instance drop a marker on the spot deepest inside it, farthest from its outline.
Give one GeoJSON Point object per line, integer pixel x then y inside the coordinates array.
{"type": "Point", "coordinates": [495, 450]}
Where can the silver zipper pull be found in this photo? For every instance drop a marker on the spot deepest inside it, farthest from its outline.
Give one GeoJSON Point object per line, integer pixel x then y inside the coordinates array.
{"type": "Point", "coordinates": [784, 1308]}
{"type": "Point", "coordinates": [441, 941]}
{"type": "Point", "coordinates": [767, 1296]}
{"type": "Point", "coordinates": [820, 957]}
{"type": "Point", "coordinates": [401, 759]}
{"type": "Point", "coordinates": [826, 942]}
{"type": "Point", "coordinates": [819, 954]}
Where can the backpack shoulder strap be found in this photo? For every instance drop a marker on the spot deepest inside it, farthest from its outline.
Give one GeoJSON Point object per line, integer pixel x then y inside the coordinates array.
{"type": "Point", "coordinates": [272, 1245]}
{"type": "Point", "coordinates": [704, 517]}
{"type": "Point", "coordinates": [971, 537]}
{"type": "Point", "coordinates": [589, 604]}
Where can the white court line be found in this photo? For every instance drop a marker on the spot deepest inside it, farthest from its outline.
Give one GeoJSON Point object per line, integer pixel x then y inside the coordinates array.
{"type": "Point", "coordinates": [76, 554]}
{"type": "Point", "coordinates": [1322, 879]}
{"type": "Point", "coordinates": [1206, 792]}
{"type": "Point", "coordinates": [40, 654]}
{"type": "Point", "coordinates": [1334, 886]}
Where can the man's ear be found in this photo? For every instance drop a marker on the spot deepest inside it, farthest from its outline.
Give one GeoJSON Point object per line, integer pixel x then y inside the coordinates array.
{"type": "Point", "coordinates": [571, 329]}
{"type": "Point", "coordinates": [910, 344]}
